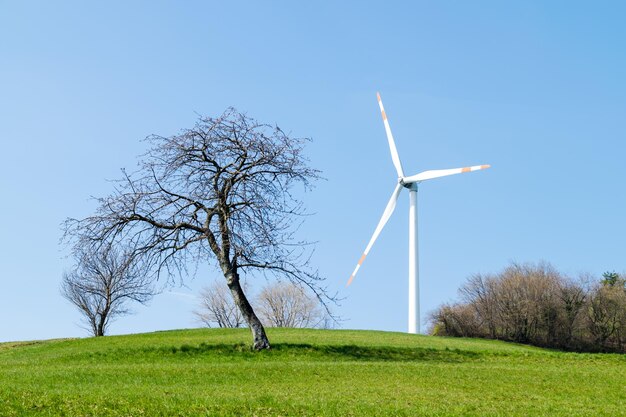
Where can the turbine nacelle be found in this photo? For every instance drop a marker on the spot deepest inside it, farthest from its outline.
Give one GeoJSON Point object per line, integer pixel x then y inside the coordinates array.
{"type": "Point", "coordinates": [407, 184]}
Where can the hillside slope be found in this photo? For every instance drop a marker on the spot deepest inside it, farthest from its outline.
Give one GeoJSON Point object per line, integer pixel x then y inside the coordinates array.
{"type": "Point", "coordinates": [308, 372]}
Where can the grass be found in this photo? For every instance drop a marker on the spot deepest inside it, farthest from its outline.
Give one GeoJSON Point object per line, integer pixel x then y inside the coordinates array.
{"type": "Point", "coordinates": [212, 372]}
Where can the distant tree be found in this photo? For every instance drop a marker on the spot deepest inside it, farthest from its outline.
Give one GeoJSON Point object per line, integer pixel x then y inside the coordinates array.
{"type": "Point", "coordinates": [479, 292]}
{"type": "Point", "coordinates": [102, 284]}
{"type": "Point", "coordinates": [284, 304]}
{"type": "Point", "coordinates": [607, 317]}
{"type": "Point", "coordinates": [221, 190]}
{"type": "Point", "coordinates": [526, 296]}
{"type": "Point", "coordinates": [613, 279]}
{"type": "Point", "coordinates": [573, 296]}
{"type": "Point", "coordinates": [217, 307]}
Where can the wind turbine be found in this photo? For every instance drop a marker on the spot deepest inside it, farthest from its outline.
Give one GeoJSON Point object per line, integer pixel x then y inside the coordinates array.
{"type": "Point", "coordinates": [411, 184]}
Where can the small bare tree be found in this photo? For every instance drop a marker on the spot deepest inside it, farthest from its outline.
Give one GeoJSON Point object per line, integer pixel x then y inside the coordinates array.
{"type": "Point", "coordinates": [102, 284]}
{"type": "Point", "coordinates": [221, 190]}
{"type": "Point", "coordinates": [218, 308]}
{"type": "Point", "coordinates": [284, 304]}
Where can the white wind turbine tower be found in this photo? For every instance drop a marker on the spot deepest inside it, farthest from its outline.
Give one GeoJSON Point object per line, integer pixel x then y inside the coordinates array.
{"type": "Point", "coordinates": [411, 183]}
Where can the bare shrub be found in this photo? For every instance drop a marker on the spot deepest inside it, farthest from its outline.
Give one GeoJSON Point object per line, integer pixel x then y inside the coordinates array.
{"type": "Point", "coordinates": [217, 307]}
{"type": "Point", "coordinates": [284, 304]}
{"type": "Point", "coordinates": [459, 320]}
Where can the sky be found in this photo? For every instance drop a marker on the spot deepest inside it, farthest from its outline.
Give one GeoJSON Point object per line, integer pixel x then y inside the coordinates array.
{"type": "Point", "coordinates": [536, 89]}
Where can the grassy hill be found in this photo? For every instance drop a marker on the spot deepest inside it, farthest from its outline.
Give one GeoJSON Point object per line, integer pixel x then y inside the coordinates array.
{"type": "Point", "coordinates": [308, 372]}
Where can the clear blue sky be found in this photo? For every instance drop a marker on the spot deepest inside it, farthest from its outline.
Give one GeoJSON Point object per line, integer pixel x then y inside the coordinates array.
{"type": "Point", "coordinates": [536, 89]}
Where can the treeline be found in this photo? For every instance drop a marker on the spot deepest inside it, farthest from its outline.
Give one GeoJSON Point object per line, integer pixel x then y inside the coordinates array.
{"type": "Point", "coordinates": [535, 304]}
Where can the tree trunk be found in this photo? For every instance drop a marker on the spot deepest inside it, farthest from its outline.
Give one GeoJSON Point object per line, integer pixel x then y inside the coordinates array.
{"type": "Point", "coordinates": [94, 325]}
{"type": "Point", "coordinates": [260, 340]}
{"type": "Point", "coordinates": [100, 327]}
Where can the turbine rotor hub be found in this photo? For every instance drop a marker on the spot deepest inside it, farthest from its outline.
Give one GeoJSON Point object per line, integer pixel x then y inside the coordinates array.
{"type": "Point", "coordinates": [408, 185]}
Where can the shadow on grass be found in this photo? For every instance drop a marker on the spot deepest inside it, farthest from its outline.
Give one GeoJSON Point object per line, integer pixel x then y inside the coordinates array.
{"type": "Point", "coordinates": [307, 352]}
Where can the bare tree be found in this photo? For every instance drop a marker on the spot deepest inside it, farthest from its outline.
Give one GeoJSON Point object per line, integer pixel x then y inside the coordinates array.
{"type": "Point", "coordinates": [222, 190]}
{"type": "Point", "coordinates": [526, 297]}
{"type": "Point", "coordinates": [284, 304]}
{"type": "Point", "coordinates": [607, 316]}
{"type": "Point", "coordinates": [480, 293]}
{"type": "Point", "coordinates": [573, 296]}
{"type": "Point", "coordinates": [218, 308]}
{"type": "Point", "coordinates": [102, 284]}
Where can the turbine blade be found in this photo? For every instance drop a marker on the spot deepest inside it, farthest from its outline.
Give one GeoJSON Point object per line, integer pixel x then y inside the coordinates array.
{"type": "Point", "coordinates": [392, 145]}
{"type": "Point", "coordinates": [391, 205]}
{"type": "Point", "coordinates": [436, 173]}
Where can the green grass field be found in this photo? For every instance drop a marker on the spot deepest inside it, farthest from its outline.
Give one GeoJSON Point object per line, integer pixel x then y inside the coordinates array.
{"type": "Point", "coordinates": [307, 373]}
